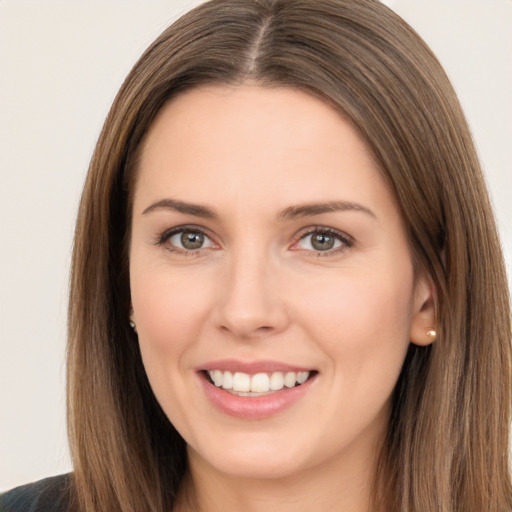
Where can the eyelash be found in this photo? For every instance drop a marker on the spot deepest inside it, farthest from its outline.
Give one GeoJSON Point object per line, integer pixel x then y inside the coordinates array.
{"type": "Point", "coordinates": [168, 234]}
{"type": "Point", "coordinates": [345, 240]}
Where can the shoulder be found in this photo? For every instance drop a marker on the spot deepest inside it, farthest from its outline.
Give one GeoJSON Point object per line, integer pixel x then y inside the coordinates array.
{"type": "Point", "coordinates": [48, 495]}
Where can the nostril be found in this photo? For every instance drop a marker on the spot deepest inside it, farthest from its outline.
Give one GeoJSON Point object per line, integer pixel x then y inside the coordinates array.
{"type": "Point", "coordinates": [246, 331]}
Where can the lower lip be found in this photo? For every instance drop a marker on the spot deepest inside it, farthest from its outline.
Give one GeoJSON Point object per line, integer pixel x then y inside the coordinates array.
{"type": "Point", "coordinates": [256, 407]}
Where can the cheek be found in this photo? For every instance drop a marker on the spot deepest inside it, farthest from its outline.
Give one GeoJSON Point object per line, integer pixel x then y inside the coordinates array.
{"type": "Point", "coordinates": [169, 314]}
{"type": "Point", "coordinates": [362, 325]}
{"type": "Point", "coordinates": [169, 308]}
{"type": "Point", "coordinates": [363, 322]}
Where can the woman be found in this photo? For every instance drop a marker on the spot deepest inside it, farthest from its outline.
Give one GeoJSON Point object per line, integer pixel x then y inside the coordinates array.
{"type": "Point", "coordinates": [287, 287]}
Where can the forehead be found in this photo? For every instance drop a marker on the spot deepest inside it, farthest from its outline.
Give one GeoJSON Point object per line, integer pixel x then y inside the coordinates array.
{"type": "Point", "coordinates": [248, 141]}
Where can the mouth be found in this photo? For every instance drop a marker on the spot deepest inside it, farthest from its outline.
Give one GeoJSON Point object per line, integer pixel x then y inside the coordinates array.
{"type": "Point", "coordinates": [257, 384]}
{"type": "Point", "coordinates": [255, 390]}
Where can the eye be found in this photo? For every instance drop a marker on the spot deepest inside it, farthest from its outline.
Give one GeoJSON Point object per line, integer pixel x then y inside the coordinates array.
{"type": "Point", "coordinates": [186, 239]}
{"type": "Point", "coordinates": [323, 240]}
{"type": "Point", "coordinates": [189, 240]}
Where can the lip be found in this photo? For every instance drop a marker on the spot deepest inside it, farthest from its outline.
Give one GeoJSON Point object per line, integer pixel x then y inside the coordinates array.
{"type": "Point", "coordinates": [259, 407]}
{"type": "Point", "coordinates": [252, 367]}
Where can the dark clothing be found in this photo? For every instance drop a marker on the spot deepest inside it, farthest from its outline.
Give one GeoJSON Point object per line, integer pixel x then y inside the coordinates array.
{"type": "Point", "coordinates": [48, 495]}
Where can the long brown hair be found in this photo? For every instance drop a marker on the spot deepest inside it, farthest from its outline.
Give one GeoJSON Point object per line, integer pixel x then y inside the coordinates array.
{"type": "Point", "coordinates": [447, 443]}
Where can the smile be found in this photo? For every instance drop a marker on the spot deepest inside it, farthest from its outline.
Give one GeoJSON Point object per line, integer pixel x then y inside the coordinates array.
{"type": "Point", "coordinates": [259, 384]}
{"type": "Point", "coordinates": [255, 391]}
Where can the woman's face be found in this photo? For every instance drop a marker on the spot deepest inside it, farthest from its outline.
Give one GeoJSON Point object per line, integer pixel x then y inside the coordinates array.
{"type": "Point", "coordinates": [271, 282]}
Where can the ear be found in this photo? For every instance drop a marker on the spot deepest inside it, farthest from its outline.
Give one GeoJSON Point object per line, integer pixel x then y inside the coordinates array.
{"type": "Point", "coordinates": [423, 323]}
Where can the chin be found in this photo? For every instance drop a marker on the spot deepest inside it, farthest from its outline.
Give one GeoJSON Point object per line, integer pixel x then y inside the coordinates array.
{"type": "Point", "coordinates": [252, 460]}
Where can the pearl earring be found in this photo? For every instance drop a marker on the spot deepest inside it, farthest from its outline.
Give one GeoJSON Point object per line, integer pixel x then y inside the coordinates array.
{"type": "Point", "coordinates": [132, 323]}
{"type": "Point", "coordinates": [431, 333]}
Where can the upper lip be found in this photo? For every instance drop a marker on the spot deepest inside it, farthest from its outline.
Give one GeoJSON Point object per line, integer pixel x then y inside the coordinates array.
{"type": "Point", "coordinates": [252, 367]}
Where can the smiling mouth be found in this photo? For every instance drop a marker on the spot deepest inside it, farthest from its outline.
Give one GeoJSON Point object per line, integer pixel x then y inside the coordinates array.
{"type": "Point", "coordinates": [258, 384]}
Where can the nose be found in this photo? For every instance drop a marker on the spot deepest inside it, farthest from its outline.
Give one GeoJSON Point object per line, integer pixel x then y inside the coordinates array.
{"type": "Point", "coordinates": [252, 302]}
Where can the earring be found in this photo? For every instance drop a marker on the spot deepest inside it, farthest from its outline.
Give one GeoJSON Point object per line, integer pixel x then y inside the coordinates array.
{"type": "Point", "coordinates": [132, 323]}
{"type": "Point", "coordinates": [431, 333]}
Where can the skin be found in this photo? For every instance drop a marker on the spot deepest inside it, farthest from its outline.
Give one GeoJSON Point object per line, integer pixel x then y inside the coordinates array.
{"type": "Point", "coordinates": [257, 289]}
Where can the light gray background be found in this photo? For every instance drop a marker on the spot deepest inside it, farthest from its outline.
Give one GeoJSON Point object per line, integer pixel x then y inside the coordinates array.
{"type": "Point", "coordinates": [61, 63]}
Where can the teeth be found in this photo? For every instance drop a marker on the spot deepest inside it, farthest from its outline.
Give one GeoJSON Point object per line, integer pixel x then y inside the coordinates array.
{"type": "Point", "coordinates": [227, 380]}
{"type": "Point", "coordinates": [248, 385]}
{"type": "Point", "coordinates": [290, 379]}
{"type": "Point", "coordinates": [276, 381]}
{"type": "Point", "coordinates": [260, 383]}
{"type": "Point", "coordinates": [241, 382]}
{"type": "Point", "coordinates": [217, 377]}
{"type": "Point", "coordinates": [302, 377]}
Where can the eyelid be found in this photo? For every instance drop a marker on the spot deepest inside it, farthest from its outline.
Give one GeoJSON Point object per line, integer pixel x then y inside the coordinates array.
{"type": "Point", "coordinates": [346, 240]}
{"type": "Point", "coordinates": [165, 236]}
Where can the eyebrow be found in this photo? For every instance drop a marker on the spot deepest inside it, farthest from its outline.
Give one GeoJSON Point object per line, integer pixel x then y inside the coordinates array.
{"type": "Point", "coordinates": [309, 210]}
{"type": "Point", "coordinates": [291, 212]}
{"type": "Point", "coordinates": [196, 210]}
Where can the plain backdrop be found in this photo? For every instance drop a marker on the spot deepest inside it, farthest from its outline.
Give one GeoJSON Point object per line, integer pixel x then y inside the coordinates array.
{"type": "Point", "coordinates": [61, 64]}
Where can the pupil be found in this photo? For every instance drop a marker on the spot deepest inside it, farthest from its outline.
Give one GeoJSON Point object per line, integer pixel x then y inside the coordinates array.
{"type": "Point", "coordinates": [322, 242]}
{"type": "Point", "coordinates": [191, 240]}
